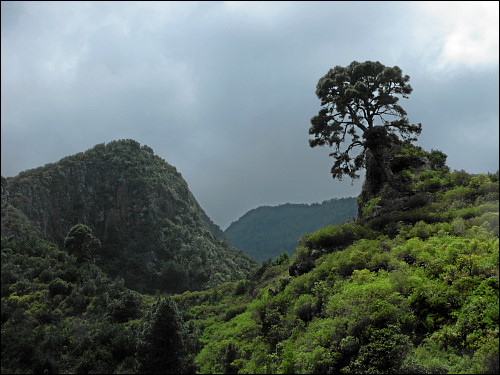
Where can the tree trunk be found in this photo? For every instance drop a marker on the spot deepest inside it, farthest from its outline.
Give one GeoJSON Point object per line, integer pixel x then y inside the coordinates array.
{"type": "Point", "coordinates": [378, 174]}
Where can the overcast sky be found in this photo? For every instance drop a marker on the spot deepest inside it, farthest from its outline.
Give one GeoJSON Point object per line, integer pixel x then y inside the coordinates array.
{"type": "Point", "coordinates": [225, 91]}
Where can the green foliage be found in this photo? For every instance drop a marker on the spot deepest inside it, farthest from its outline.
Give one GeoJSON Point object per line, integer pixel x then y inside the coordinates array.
{"type": "Point", "coordinates": [361, 98]}
{"type": "Point", "coordinates": [437, 159]}
{"type": "Point", "coordinates": [335, 236]}
{"type": "Point", "coordinates": [418, 294]}
{"type": "Point", "coordinates": [383, 354]}
{"type": "Point", "coordinates": [407, 157]}
{"type": "Point", "coordinates": [410, 287]}
{"type": "Point", "coordinates": [56, 315]}
{"type": "Point", "coordinates": [81, 243]}
{"type": "Point", "coordinates": [163, 344]}
{"type": "Point", "coordinates": [58, 287]}
{"type": "Point", "coordinates": [127, 306]}
{"type": "Point", "coordinates": [153, 233]}
{"type": "Point", "coordinates": [369, 207]}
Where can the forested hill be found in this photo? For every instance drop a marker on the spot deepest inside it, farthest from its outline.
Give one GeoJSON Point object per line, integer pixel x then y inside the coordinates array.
{"type": "Point", "coordinates": [267, 231]}
{"type": "Point", "coordinates": [153, 232]}
{"type": "Point", "coordinates": [411, 286]}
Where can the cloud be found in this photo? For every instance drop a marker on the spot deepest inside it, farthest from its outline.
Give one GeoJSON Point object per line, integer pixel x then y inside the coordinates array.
{"type": "Point", "coordinates": [225, 90]}
{"type": "Point", "coordinates": [459, 32]}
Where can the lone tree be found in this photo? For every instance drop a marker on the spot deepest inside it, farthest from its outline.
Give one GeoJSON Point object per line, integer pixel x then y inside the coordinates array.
{"type": "Point", "coordinates": [359, 109]}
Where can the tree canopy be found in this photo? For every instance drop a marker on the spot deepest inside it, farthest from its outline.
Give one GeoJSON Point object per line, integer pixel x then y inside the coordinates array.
{"type": "Point", "coordinates": [164, 341]}
{"type": "Point", "coordinates": [81, 242]}
{"type": "Point", "coordinates": [359, 109]}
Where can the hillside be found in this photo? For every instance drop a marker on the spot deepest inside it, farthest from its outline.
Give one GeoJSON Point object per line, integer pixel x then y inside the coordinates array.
{"type": "Point", "coordinates": [410, 287]}
{"type": "Point", "coordinates": [153, 232]}
{"type": "Point", "coordinates": [266, 232]}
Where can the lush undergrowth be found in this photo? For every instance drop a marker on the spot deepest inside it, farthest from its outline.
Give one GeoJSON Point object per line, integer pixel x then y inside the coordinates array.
{"type": "Point", "coordinates": [411, 287]}
{"type": "Point", "coordinates": [59, 316]}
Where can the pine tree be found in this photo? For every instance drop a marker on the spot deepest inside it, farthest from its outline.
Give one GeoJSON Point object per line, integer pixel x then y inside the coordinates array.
{"type": "Point", "coordinates": [163, 346]}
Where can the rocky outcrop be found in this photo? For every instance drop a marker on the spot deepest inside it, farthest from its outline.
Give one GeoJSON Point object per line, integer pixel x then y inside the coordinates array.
{"type": "Point", "coordinates": [383, 170]}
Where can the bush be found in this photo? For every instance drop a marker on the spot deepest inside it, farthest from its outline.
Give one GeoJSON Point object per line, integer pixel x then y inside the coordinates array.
{"type": "Point", "coordinates": [370, 206]}
{"type": "Point", "coordinates": [335, 236]}
{"type": "Point", "coordinates": [437, 159]}
{"type": "Point", "coordinates": [431, 184]}
{"type": "Point", "coordinates": [233, 311]}
{"type": "Point", "coordinates": [417, 200]}
{"type": "Point", "coordinates": [302, 261]}
{"type": "Point", "coordinates": [458, 178]}
{"type": "Point", "coordinates": [58, 286]}
{"type": "Point", "coordinates": [460, 193]}
{"type": "Point", "coordinates": [305, 307]}
{"type": "Point", "coordinates": [127, 307]}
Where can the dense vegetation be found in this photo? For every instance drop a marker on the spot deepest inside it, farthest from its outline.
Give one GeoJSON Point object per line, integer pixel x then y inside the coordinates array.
{"type": "Point", "coordinates": [60, 315]}
{"type": "Point", "coordinates": [266, 232]}
{"type": "Point", "coordinates": [153, 233]}
{"type": "Point", "coordinates": [410, 287]}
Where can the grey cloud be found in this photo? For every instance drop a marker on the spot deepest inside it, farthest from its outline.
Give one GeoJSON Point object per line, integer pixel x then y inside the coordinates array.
{"type": "Point", "coordinates": [222, 92]}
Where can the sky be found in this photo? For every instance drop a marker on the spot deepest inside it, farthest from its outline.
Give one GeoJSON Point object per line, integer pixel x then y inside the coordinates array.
{"type": "Point", "coordinates": [225, 91]}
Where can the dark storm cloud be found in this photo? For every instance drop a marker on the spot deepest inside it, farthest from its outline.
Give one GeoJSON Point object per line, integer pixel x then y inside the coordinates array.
{"type": "Point", "coordinates": [225, 90]}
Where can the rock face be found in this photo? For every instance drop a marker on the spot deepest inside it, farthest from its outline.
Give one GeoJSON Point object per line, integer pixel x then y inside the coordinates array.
{"type": "Point", "coordinates": [154, 233]}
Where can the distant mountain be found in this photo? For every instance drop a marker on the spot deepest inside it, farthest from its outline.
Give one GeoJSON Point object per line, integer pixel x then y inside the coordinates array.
{"type": "Point", "coordinates": [154, 234]}
{"type": "Point", "coordinates": [266, 232]}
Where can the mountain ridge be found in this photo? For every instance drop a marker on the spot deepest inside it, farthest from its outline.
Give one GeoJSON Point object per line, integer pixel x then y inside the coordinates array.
{"type": "Point", "coordinates": [267, 231]}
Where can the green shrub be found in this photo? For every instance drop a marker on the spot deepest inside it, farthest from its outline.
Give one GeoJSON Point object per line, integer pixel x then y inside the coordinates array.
{"type": "Point", "coordinates": [437, 159]}
{"type": "Point", "coordinates": [458, 178]}
{"type": "Point", "coordinates": [233, 311]}
{"type": "Point", "coordinates": [58, 286]}
{"type": "Point", "coordinates": [430, 184]}
{"type": "Point", "coordinates": [370, 206]}
{"type": "Point", "coordinates": [390, 223]}
{"type": "Point", "coordinates": [335, 236]}
{"type": "Point", "coordinates": [126, 307]}
{"type": "Point", "coordinates": [458, 193]}
{"type": "Point", "coordinates": [488, 220]}
{"type": "Point", "coordinates": [305, 307]}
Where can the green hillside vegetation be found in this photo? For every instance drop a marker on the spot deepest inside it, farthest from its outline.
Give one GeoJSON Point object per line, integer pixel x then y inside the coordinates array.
{"type": "Point", "coordinates": [410, 287]}
{"type": "Point", "coordinates": [153, 232]}
{"type": "Point", "coordinates": [266, 232]}
{"type": "Point", "coordinates": [62, 314]}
